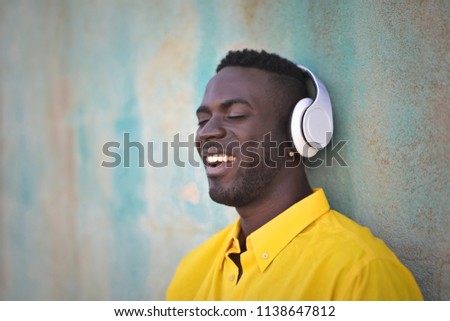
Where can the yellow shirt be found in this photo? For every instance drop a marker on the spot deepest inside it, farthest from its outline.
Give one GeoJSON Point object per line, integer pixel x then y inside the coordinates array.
{"type": "Point", "coordinates": [308, 252]}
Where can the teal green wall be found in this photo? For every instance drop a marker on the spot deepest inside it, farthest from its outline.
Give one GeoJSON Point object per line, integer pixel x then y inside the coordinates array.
{"type": "Point", "coordinates": [77, 74]}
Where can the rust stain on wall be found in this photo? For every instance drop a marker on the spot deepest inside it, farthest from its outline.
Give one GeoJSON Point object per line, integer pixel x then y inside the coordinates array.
{"type": "Point", "coordinates": [189, 193]}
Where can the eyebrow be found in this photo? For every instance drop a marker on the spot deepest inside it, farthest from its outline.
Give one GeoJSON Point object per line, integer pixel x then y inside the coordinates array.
{"type": "Point", "coordinates": [225, 104]}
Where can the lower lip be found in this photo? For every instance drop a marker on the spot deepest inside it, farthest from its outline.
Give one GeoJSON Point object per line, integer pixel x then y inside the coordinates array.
{"type": "Point", "coordinates": [218, 170]}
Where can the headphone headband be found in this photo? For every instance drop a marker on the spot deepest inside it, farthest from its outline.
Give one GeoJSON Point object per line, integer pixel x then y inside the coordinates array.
{"type": "Point", "coordinates": [321, 95]}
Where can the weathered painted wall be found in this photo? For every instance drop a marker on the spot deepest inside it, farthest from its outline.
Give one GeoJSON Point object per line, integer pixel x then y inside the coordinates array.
{"type": "Point", "coordinates": [77, 74]}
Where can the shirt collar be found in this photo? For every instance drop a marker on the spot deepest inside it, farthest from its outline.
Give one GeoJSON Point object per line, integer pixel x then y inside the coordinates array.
{"type": "Point", "coordinates": [268, 241]}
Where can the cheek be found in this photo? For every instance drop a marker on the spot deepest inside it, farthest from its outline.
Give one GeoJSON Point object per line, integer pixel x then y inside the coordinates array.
{"type": "Point", "coordinates": [279, 128]}
{"type": "Point", "coordinates": [267, 134]}
{"type": "Point", "coordinates": [271, 122]}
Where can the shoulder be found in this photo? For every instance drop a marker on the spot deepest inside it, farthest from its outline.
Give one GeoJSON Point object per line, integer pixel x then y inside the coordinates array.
{"type": "Point", "coordinates": [368, 269]}
{"type": "Point", "coordinates": [333, 237]}
{"type": "Point", "coordinates": [209, 248]}
{"type": "Point", "coordinates": [195, 265]}
{"type": "Point", "coordinates": [338, 228]}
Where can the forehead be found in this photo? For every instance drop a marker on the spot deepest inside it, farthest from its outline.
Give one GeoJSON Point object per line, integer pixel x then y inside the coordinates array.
{"type": "Point", "coordinates": [237, 82]}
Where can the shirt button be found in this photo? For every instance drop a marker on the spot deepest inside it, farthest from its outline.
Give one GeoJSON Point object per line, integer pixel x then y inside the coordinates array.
{"type": "Point", "coordinates": [265, 256]}
{"type": "Point", "coordinates": [231, 277]}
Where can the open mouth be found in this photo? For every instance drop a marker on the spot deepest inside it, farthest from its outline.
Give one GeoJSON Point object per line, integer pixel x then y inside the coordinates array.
{"type": "Point", "coordinates": [219, 159]}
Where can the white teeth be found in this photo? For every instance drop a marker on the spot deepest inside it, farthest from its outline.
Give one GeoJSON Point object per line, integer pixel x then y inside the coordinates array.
{"type": "Point", "coordinates": [219, 158]}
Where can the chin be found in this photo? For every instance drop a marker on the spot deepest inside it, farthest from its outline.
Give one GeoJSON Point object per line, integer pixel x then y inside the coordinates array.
{"type": "Point", "coordinates": [229, 197]}
{"type": "Point", "coordinates": [248, 186]}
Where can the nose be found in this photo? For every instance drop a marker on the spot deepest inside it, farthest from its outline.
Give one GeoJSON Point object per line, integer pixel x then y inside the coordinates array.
{"type": "Point", "coordinates": [212, 130]}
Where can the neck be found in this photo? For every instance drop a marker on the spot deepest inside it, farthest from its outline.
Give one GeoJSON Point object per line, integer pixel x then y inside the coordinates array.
{"type": "Point", "coordinates": [287, 189]}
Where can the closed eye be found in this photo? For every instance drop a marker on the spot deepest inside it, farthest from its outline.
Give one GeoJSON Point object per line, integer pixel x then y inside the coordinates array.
{"type": "Point", "coordinates": [202, 122]}
{"type": "Point", "coordinates": [236, 116]}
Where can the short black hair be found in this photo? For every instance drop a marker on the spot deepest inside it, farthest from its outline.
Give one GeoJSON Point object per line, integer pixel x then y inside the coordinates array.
{"type": "Point", "coordinates": [287, 79]}
{"type": "Point", "coordinates": [262, 60]}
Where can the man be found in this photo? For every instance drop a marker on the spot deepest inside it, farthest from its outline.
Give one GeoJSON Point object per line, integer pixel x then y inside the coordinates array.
{"type": "Point", "coordinates": [287, 243]}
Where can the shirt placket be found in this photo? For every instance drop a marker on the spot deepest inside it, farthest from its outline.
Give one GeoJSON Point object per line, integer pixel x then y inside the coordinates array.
{"type": "Point", "coordinates": [230, 270]}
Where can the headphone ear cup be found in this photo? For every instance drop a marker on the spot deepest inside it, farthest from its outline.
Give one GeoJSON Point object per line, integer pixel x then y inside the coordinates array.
{"type": "Point", "coordinates": [297, 125]}
{"type": "Point", "coordinates": [317, 126]}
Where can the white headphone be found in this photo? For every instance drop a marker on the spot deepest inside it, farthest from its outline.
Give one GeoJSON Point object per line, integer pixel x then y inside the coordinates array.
{"type": "Point", "coordinates": [312, 120]}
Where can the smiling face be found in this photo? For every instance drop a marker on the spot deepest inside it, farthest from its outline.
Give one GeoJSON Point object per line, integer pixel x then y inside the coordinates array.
{"type": "Point", "coordinates": [235, 114]}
